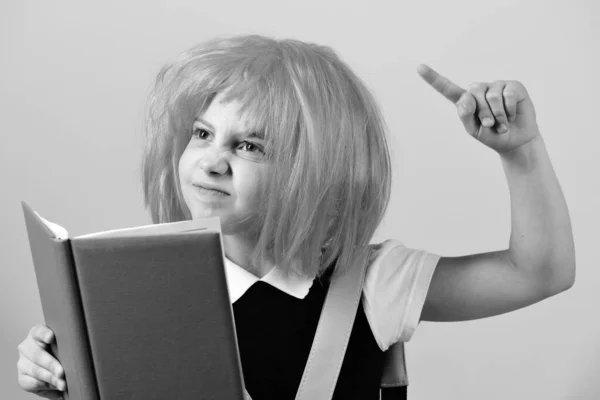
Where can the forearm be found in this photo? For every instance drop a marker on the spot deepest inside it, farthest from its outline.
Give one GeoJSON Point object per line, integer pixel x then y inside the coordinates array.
{"type": "Point", "coordinates": [541, 239]}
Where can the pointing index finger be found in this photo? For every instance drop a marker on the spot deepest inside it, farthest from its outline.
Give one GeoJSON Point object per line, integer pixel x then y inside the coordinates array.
{"type": "Point", "coordinates": [443, 85]}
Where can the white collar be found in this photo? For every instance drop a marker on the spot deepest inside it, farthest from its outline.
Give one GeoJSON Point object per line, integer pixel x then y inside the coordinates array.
{"type": "Point", "coordinates": [239, 281]}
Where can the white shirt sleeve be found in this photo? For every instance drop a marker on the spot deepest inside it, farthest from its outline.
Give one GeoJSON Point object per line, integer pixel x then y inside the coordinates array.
{"type": "Point", "coordinates": [396, 285]}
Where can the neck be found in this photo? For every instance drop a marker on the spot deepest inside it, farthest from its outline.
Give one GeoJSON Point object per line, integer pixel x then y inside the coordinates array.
{"type": "Point", "coordinates": [238, 249]}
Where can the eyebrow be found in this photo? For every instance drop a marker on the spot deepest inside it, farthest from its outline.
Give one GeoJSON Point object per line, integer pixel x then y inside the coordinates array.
{"type": "Point", "coordinates": [253, 134]}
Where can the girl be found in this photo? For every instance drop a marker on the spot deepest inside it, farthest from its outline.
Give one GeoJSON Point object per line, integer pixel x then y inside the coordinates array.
{"type": "Point", "coordinates": [287, 146]}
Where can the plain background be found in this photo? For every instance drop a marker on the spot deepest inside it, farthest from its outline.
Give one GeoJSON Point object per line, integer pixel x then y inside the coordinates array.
{"type": "Point", "coordinates": [74, 76]}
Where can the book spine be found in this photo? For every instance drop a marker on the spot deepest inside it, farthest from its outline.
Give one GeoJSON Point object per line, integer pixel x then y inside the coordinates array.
{"type": "Point", "coordinates": [61, 305]}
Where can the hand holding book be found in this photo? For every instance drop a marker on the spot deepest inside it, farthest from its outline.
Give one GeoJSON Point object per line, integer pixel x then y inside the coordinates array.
{"type": "Point", "coordinates": [133, 308]}
{"type": "Point", "coordinates": [38, 371]}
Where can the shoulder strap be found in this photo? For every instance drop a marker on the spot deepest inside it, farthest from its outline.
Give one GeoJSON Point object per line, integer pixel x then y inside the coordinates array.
{"type": "Point", "coordinates": [333, 331]}
{"type": "Point", "coordinates": [394, 367]}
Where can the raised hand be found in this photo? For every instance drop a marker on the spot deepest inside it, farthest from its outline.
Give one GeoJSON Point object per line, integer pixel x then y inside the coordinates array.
{"type": "Point", "coordinates": [498, 114]}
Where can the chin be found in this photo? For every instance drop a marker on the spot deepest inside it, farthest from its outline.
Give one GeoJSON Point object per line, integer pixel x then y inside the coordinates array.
{"type": "Point", "coordinates": [208, 213]}
{"type": "Point", "coordinates": [204, 213]}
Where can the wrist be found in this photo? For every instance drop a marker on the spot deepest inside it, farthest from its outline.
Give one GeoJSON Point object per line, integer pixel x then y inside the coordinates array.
{"type": "Point", "coordinates": [526, 156]}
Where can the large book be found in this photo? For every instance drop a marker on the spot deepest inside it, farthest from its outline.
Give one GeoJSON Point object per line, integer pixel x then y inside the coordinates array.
{"type": "Point", "coordinates": [140, 313]}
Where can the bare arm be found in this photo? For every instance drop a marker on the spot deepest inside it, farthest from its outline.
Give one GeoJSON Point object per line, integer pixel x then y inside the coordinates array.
{"type": "Point", "coordinates": [540, 259]}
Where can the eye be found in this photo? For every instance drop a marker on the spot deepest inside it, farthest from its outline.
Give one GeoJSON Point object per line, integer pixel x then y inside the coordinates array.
{"type": "Point", "coordinates": [253, 147]}
{"type": "Point", "coordinates": [199, 133]}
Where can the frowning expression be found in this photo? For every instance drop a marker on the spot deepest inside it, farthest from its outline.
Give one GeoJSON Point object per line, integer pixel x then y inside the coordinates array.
{"type": "Point", "coordinates": [222, 171]}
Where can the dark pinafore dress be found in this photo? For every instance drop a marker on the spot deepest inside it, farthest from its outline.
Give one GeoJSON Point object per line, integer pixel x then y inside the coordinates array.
{"type": "Point", "coordinates": [275, 332]}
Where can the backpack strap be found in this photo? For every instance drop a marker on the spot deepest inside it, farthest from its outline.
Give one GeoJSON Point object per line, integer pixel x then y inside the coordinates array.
{"type": "Point", "coordinates": [333, 331]}
{"type": "Point", "coordinates": [394, 367]}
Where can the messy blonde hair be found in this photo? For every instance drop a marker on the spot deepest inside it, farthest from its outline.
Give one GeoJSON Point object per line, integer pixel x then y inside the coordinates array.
{"type": "Point", "coordinates": [330, 179]}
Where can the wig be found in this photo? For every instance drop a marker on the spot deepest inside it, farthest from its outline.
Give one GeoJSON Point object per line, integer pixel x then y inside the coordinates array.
{"type": "Point", "coordinates": [330, 178]}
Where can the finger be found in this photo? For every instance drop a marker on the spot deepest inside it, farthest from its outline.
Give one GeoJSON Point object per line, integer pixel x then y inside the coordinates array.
{"type": "Point", "coordinates": [46, 360]}
{"type": "Point", "coordinates": [484, 113]}
{"type": "Point", "coordinates": [443, 85]}
{"type": "Point", "coordinates": [39, 388]}
{"type": "Point", "coordinates": [27, 367]}
{"type": "Point", "coordinates": [513, 93]}
{"type": "Point", "coordinates": [466, 107]}
{"type": "Point", "coordinates": [33, 351]}
{"type": "Point", "coordinates": [51, 394]}
{"type": "Point", "coordinates": [42, 334]}
{"type": "Point", "coordinates": [495, 99]}
{"type": "Point", "coordinates": [30, 384]}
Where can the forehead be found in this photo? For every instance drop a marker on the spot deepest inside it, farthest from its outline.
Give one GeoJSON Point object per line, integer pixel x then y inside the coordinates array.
{"type": "Point", "coordinates": [231, 114]}
{"type": "Point", "coordinates": [223, 110]}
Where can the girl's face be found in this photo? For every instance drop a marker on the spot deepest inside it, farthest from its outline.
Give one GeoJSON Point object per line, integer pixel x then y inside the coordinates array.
{"type": "Point", "coordinates": [222, 170]}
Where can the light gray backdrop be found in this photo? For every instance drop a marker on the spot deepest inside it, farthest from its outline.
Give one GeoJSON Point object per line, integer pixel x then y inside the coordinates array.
{"type": "Point", "coordinates": [73, 80]}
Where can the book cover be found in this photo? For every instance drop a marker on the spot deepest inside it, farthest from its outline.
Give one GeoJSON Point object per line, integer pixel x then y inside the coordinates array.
{"type": "Point", "coordinates": [139, 313]}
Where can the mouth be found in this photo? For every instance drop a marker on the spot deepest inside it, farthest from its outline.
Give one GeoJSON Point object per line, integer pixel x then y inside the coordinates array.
{"type": "Point", "coordinates": [212, 191]}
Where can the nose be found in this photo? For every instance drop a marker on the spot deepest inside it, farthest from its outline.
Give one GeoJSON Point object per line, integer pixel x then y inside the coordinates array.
{"type": "Point", "coordinates": [214, 161]}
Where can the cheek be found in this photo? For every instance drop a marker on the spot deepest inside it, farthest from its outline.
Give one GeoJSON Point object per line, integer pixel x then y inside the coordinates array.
{"type": "Point", "coordinates": [252, 183]}
{"type": "Point", "coordinates": [183, 192]}
{"type": "Point", "coordinates": [185, 165]}
{"type": "Point", "coordinates": [181, 168]}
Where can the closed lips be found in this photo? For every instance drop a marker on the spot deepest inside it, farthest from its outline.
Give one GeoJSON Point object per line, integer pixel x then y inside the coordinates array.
{"type": "Point", "coordinates": [211, 188]}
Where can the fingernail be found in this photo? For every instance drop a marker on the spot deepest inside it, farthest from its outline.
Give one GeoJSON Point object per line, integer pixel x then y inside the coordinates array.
{"type": "Point", "coordinates": [487, 122]}
{"type": "Point", "coordinates": [48, 337]}
{"type": "Point", "coordinates": [502, 128]}
{"type": "Point", "coordinates": [58, 370]}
